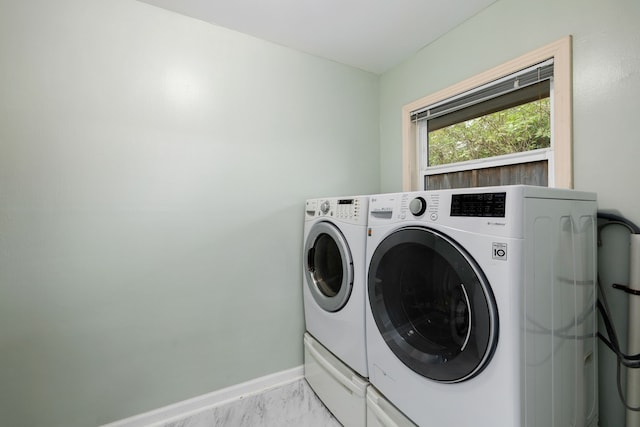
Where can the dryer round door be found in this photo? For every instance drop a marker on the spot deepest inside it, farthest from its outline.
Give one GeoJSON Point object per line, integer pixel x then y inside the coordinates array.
{"type": "Point", "coordinates": [328, 266]}
{"type": "Point", "coordinates": [432, 304]}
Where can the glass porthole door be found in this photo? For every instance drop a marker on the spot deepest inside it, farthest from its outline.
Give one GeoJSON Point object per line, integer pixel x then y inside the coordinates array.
{"type": "Point", "coordinates": [328, 266]}
{"type": "Point", "coordinates": [432, 304]}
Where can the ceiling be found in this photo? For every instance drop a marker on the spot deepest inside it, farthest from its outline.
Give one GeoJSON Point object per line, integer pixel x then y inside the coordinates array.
{"type": "Point", "coordinates": [373, 35]}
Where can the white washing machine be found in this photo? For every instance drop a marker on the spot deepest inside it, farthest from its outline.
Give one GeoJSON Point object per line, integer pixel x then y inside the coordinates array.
{"type": "Point", "coordinates": [481, 306]}
{"type": "Point", "coordinates": [334, 276]}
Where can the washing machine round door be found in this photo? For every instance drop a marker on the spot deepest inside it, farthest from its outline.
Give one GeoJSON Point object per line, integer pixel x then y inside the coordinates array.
{"type": "Point", "coordinates": [328, 266]}
{"type": "Point", "coordinates": [432, 304]}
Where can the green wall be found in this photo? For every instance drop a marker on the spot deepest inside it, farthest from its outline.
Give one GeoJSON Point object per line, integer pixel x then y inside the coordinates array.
{"type": "Point", "coordinates": [153, 172]}
{"type": "Point", "coordinates": [606, 89]}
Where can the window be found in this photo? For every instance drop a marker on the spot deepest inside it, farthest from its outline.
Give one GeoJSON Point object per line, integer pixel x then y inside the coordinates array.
{"type": "Point", "coordinates": [509, 125]}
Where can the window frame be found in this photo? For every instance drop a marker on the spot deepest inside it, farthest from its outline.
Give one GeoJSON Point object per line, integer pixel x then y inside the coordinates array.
{"type": "Point", "coordinates": [561, 156]}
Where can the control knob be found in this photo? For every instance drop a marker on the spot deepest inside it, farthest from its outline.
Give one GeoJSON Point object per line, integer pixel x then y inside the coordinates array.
{"type": "Point", "coordinates": [418, 206]}
{"type": "Point", "coordinates": [325, 206]}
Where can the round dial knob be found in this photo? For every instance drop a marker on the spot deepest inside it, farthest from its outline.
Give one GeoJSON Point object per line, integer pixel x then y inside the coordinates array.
{"type": "Point", "coordinates": [418, 206]}
{"type": "Point", "coordinates": [324, 207]}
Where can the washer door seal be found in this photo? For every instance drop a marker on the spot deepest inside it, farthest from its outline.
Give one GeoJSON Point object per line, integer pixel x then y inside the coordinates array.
{"type": "Point", "coordinates": [432, 304]}
{"type": "Point", "coordinates": [328, 266]}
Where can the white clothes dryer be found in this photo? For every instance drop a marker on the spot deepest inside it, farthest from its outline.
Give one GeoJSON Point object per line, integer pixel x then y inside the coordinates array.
{"type": "Point", "coordinates": [334, 276]}
{"type": "Point", "coordinates": [481, 306]}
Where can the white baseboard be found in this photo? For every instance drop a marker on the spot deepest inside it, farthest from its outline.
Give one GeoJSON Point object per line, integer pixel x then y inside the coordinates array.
{"type": "Point", "coordinates": [220, 397]}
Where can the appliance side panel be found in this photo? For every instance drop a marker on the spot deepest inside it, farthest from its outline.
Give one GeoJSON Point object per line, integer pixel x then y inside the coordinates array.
{"type": "Point", "coordinates": [559, 317]}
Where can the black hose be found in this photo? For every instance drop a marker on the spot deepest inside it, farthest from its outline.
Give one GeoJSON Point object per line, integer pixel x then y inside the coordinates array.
{"type": "Point", "coordinates": [619, 219]}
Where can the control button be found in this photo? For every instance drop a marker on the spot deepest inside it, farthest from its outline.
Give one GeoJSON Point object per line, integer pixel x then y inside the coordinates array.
{"type": "Point", "coordinates": [418, 206]}
{"type": "Point", "coordinates": [433, 216]}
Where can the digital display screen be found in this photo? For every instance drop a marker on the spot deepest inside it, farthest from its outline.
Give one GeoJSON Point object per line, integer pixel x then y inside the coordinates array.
{"type": "Point", "coordinates": [345, 201]}
{"type": "Point", "coordinates": [479, 205]}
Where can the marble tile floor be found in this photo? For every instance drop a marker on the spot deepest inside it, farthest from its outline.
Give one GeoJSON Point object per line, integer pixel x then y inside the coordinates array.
{"type": "Point", "coordinates": [293, 404]}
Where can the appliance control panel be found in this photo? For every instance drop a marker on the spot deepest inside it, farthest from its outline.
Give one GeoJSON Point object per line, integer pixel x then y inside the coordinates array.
{"type": "Point", "coordinates": [346, 209]}
{"type": "Point", "coordinates": [434, 205]}
{"type": "Point", "coordinates": [485, 205]}
{"type": "Point", "coordinates": [493, 211]}
{"type": "Point", "coordinates": [403, 206]}
{"type": "Point", "coordinates": [423, 206]}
